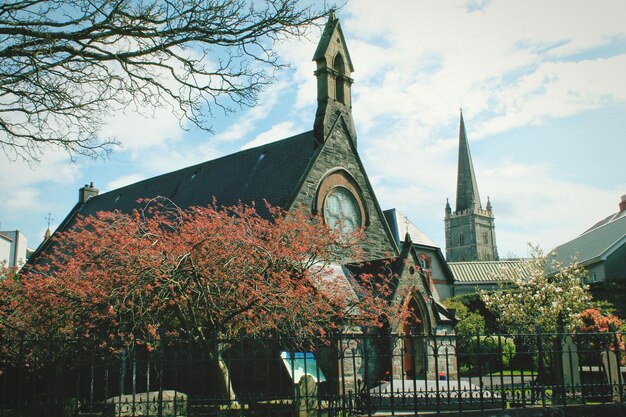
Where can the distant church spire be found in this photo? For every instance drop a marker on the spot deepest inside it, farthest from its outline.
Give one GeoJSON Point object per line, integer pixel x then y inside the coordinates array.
{"type": "Point", "coordinates": [334, 85]}
{"type": "Point", "coordinates": [470, 230]}
{"type": "Point", "coordinates": [467, 196]}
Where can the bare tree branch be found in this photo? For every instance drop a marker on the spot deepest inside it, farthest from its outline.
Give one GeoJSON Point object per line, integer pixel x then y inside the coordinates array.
{"type": "Point", "coordinates": [66, 65]}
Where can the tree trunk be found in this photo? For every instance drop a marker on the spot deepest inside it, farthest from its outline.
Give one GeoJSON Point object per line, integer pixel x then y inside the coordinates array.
{"type": "Point", "coordinates": [223, 383]}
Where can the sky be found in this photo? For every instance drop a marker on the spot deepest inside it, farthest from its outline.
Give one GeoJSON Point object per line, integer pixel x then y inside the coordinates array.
{"type": "Point", "coordinates": [542, 86]}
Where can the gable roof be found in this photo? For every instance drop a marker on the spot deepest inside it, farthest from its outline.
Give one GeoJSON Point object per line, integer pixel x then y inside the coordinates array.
{"type": "Point", "coordinates": [596, 243]}
{"type": "Point", "coordinates": [401, 225]}
{"type": "Point", "coordinates": [487, 272]}
{"type": "Point", "coordinates": [322, 46]}
{"type": "Point", "coordinates": [270, 172]}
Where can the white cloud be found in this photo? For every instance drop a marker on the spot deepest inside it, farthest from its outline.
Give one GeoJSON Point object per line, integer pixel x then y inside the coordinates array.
{"type": "Point", "coordinates": [509, 64]}
{"type": "Point", "coordinates": [124, 181]}
{"type": "Point", "coordinates": [138, 132]}
{"type": "Point", "coordinates": [247, 120]}
{"type": "Point", "coordinates": [21, 183]}
{"type": "Point", "coordinates": [277, 132]}
{"type": "Point", "coordinates": [531, 204]}
{"type": "Point", "coordinates": [21, 198]}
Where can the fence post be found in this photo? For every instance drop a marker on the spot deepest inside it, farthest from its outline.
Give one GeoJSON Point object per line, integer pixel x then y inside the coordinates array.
{"type": "Point", "coordinates": [366, 364]}
{"type": "Point", "coordinates": [617, 341]}
{"type": "Point", "coordinates": [161, 371]}
{"type": "Point", "coordinates": [122, 376]}
{"type": "Point", "coordinates": [540, 368]}
{"type": "Point", "coordinates": [481, 356]}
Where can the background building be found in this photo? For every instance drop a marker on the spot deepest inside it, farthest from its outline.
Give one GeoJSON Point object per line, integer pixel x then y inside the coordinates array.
{"type": "Point", "coordinates": [13, 248]}
{"type": "Point", "coordinates": [470, 230]}
{"type": "Point", "coordinates": [601, 249]}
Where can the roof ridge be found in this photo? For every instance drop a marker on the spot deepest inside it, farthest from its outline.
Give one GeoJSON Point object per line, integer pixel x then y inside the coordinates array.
{"type": "Point", "coordinates": [489, 262]}
{"type": "Point", "coordinates": [605, 222]}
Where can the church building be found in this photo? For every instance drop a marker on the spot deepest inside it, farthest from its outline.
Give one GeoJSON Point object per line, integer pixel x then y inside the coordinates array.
{"type": "Point", "coordinates": [320, 170]}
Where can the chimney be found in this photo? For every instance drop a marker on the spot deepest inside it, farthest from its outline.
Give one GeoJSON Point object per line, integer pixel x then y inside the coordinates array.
{"type": "Point", "coordinates": [86, 192]}
{"type": "Point", "coordinates": [622, 204]}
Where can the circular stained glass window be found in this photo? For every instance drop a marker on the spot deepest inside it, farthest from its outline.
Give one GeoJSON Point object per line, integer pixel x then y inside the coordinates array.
{"type": "Point", "coordinates": [341, 210]}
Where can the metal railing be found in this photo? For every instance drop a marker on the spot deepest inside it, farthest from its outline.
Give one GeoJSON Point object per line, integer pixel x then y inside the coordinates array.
{"type": "Point", "coordinates": [358, 374]}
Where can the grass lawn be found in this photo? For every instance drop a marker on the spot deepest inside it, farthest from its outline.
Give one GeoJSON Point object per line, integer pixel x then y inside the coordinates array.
{"type": "Point", "coordinates": [514, 372]}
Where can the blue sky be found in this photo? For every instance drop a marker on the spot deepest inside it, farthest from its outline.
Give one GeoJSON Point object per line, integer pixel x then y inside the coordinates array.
{"type": "Point", "coordinates": [542, 88]}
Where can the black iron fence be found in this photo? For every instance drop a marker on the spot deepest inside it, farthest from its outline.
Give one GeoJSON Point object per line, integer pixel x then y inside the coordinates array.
{"type": "Point", "coordinates": [358, 374]}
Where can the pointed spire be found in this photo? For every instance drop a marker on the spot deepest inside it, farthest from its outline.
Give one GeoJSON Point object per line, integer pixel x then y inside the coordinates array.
{"type": "Point", "coordinates": [448, 208]}
{"type": "Point", "coordinates": [467, 196]}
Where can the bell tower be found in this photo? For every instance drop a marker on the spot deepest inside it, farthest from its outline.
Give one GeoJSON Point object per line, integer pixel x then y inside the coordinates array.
{"type": "Point", "coordinates": [334, 85]}
{"type": "Point", "coordinates": [470, 230]}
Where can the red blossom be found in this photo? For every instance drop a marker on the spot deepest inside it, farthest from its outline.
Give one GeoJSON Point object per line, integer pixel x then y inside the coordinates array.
{"type": "Point", "coordinates": [195, 274]}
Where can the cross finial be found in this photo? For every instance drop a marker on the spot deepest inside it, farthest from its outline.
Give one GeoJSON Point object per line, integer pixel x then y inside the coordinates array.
{"type": "Point", "coordinates": [406, 223]}
{"type": "Point", "coordinates": [49, 219]}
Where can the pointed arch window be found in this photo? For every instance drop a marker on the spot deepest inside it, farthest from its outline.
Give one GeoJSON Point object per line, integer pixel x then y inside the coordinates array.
{"type": "Point", "coordinates": [461, 239]}
{"type": "Point", "coordinates": [340, 68]}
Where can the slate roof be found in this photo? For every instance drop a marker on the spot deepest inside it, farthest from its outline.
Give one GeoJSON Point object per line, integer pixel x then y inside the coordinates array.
{"type": "Point", "coordinates": [596, 243]}
{"type": "Point", "coordinates": [400, 225]}
{"type": "Point", "coordinates": [487, 272]}
{"type": "Point", "coordinates": [270, 172]}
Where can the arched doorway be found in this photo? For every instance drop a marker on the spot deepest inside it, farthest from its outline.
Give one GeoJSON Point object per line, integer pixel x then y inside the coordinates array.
{"type": "Point", "coordinates": [413, 341]}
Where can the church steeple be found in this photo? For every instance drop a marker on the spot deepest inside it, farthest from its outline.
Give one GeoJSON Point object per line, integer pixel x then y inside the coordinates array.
{"type": "Point", "coordinates": [470, 230]}
{"type": "Point", "coordinates": [334, 85]}
{"type": "Point", "coordinates": [467, 196]}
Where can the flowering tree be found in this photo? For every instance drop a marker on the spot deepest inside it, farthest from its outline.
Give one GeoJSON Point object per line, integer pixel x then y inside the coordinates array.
{"type": "Point", "coordinates": [594, 320]}
{"type": "Point", "coordinates": [549, 293]}
{"type": "Point", "coordinates": [199, 275]}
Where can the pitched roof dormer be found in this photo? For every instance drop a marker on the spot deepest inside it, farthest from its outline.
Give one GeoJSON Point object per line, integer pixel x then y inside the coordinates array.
{"type": "Point", "coordinates": [334, 84]}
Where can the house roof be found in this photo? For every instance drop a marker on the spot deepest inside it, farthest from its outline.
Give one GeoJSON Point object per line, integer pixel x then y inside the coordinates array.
{"type": "Point", "coordinates": [400, 225]}
{"type": "Point", "coordinates": [487, 272]}
{"type": "Point", "coordinates": [596, 243]}
{"type": "Point", "coordinates": [269, 173]}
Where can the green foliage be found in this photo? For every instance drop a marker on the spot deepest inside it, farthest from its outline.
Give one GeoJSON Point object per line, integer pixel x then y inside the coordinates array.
{"type": "Point", "coordinates": [470, 323]}
{"type": "Point", "coordinates": [474, 304]}
{"type": "Point", "coordinates": [479, 353]}
{"type": "Point", "coordinates": [485, 354]}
